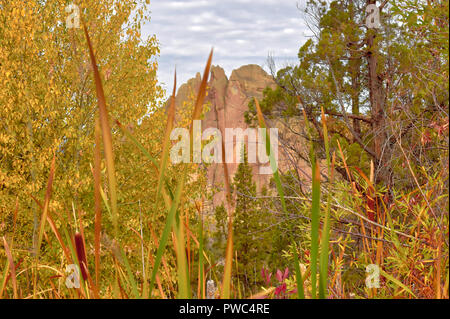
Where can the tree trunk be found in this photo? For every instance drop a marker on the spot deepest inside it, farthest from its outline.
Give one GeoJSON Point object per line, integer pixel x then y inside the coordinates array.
{"type": "Point", "coordinates": [355, 74]}
{"type": "Point", "coordinates": [376, 95]}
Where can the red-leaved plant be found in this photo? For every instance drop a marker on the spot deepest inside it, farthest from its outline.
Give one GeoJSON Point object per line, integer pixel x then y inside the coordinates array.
{"type": "Point", "coordinates": [281, 289]}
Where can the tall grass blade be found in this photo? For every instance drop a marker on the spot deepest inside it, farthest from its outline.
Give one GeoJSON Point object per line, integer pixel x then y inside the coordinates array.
{"type": "Point", "coordinates": [4, 278]}
{"type": "Point", "coordinates": [164, 261]}
{"type": "Point", "coordinates": [106, 134]}
{"type": "Point", "coordinates": [55, 230]}
{"type": "Point", "coordinates": [97, 201]}
{"type": "Point", "coordinates": [201, 281]}
{"type": "Point", "coordinates": [46, 205]}
{"type": "Point", "coordinates": [397, 282]}
{"type": "Point", "coordinates": [315, 216]}
{"type": "Point", "coordinates": [226, 281]}
{"type": "Point", "coordinates": [166, 231]}
{"type": "Point", "coordinates": [12, 267]}
{"type": "Point", "coordinates": [43, 220]}
{"type": "Point", "coordinates": [298, 275]}
{"type": "Point", "coordinates": [324, 251]}
{"type": "Point", "coordinates": [130, 276]}
{"type": "Point", "coordinates": [176, 200]}
{"type": "Point", "coordinates": [166, 143]}
{"type": "Point", "coordinates": [271, 156]}
{"type": "Point", "coordinates": [184, 291]}
{"type": "Point", "coordinates": [198, 107]}
{"type": "Point", "coordinates": [274, 166]}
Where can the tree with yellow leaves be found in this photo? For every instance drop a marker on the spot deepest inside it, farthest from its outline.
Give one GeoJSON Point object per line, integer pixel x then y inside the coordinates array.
{"type": "Point", "coordinates": [48, 101]}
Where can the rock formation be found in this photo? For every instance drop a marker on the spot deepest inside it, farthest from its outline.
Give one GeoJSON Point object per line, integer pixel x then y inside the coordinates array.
{"type": "Point", "coordinates": [228, 100]}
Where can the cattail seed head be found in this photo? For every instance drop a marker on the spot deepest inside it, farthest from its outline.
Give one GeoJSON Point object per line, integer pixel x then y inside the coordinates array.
{"type": "Point", "coordinates": [81, 254]}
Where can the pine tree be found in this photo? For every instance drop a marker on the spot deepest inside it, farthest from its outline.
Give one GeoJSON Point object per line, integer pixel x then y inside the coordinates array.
{"type": "Point", "coordinates": [247, 222]}
{"type": "Point", "coordinates": [220, 216]}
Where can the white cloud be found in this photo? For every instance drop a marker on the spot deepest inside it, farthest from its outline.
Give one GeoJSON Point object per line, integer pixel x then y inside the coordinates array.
{"type": "Point", "coordinates": [197, 28]}
{"type": "Point", "coordinates": [186, 4]}
{"type": "Point", "coordinates": [289, 31]}
{"type": "Point", "coordinates": [241, 32]}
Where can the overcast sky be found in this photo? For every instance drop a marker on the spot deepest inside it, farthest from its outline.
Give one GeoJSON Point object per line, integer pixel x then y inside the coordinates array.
{"type": "Point", "coordinates": [241, 32]}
